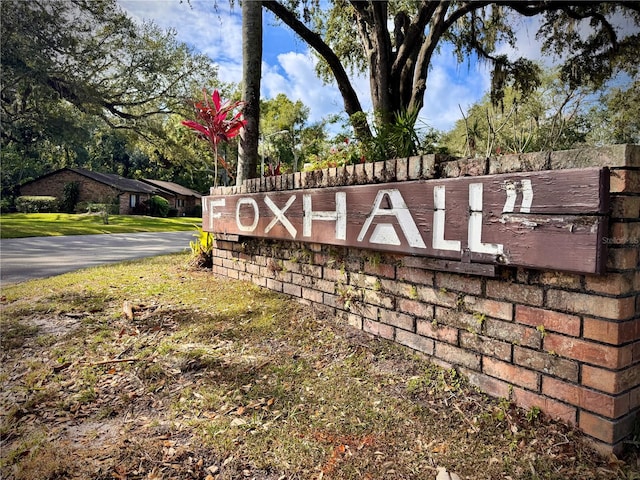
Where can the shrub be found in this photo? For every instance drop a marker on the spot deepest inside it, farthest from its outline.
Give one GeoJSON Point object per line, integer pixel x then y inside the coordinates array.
{"type": "Point", "coordinates": [196, 211]}
{"type": "Point", "coordinates": [6, 205]}
{"type": "Point", "coordinates": [70, 196]}
{"type": "Point", "coordinates": [158, 206]}
{"type": "Point", "coordinates": [36, 204]}
{"type": "Point", "coordinates": [202, 250]}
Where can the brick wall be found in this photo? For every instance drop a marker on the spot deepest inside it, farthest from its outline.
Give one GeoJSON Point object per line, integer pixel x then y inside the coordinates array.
{"type": "Point", "coordinates": [566, 343]}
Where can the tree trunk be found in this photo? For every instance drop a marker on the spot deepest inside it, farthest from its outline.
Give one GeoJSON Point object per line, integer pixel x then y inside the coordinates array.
{"type": "Point", "coordinates": [251, 73]}
{"type": "Point", "coordinates": [350, 98]}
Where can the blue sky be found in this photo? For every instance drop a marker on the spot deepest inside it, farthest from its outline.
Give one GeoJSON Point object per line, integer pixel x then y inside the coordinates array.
{"type": "Point", "coordinates": [214, 28]}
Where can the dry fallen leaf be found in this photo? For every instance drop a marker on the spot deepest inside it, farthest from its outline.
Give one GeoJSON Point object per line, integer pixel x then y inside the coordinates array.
{"type": "Point", "coordinates": [444, 475]}
{"type": "Point", "coordinates": [127, 309]}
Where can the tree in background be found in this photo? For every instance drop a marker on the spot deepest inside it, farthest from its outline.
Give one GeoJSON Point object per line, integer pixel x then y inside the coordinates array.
{"type": "Point", "coordinates": [355, 36]}
{"type": "Point", "coordinates": [555, 116]}
{"type": "Point", "coordinates": [74, 68]}
{"type": "Point", "coordinates": [282, 122]}
{"type": "Point", "coordinates": [615, 117]}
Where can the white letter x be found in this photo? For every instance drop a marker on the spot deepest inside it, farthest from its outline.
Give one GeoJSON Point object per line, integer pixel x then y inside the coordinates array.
{"type": "Point", "coordinates": [279, 216]}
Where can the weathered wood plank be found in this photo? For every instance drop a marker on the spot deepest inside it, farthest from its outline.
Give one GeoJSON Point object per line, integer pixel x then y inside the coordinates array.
{"type": "Point", "coordinates": [551, 219]}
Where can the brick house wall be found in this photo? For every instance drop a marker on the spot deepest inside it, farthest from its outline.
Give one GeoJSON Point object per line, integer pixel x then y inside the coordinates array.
{"type": "Point", "coordinates": [53, 185]}
{"type": "Point", "coordinates": [566, 343]}
{"type": "Point", "coordinates": [182, 203]}
{"type": "Point", "coordinates": [90, 190]}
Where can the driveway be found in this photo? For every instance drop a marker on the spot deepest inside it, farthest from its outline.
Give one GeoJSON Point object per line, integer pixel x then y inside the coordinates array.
{"type": "Point", "coordinates": [39, 257]}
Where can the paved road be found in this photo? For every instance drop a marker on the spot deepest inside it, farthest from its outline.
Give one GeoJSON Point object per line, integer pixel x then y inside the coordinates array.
{"type": "Point", "coordinates": [39, 257]}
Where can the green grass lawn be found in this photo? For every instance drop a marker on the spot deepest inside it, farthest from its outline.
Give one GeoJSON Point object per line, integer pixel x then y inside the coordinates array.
{"type": "Point", "coordinates": [19, 225]}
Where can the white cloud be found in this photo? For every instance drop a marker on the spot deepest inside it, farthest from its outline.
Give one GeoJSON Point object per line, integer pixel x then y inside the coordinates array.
{"type": "Point", "coordinates": [213, 30]}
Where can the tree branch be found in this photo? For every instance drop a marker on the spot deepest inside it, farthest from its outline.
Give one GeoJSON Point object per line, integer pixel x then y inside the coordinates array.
{"type": "Point", "coordinates": [349, 96]}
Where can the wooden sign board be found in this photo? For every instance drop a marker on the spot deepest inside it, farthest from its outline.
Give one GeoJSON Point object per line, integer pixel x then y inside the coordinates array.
{"type": "Point", "coordinates": [549, 220]}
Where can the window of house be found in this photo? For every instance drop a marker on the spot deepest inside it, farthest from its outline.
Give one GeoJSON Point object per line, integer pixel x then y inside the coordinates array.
{"type": "Point", "coordinates": [134, 199]}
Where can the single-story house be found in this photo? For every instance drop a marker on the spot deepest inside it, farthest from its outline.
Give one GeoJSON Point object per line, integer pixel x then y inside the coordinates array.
{"type": "Point", "coordinates": [95, 187]}
{"type": "Point", "coordinates": [183, 199]}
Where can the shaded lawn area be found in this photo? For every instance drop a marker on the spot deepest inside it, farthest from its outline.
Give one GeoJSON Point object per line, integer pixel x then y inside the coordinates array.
{"type": "Point", "coordinates": [19, 225]}
{"type": "Point", "coordinates": [217, 379]}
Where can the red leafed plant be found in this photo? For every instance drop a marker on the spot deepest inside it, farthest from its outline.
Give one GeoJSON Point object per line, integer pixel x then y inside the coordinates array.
{"type": "Point", "coordinates": [219, 122]}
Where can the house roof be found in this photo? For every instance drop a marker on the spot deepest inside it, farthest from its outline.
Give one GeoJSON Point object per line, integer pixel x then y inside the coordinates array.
{"type": "Point", "coordinates": [116, 181]}
{"type": "Point", "coordinates": [128, 184]}
{"type": "Point", "coordinates": [173, 188]}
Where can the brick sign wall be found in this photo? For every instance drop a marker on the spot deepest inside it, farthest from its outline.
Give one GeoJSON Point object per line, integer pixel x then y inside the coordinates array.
{"type": "Point", "coordinates": [502, 219]}
{"type": "Point", "coordinates": [567, 342]}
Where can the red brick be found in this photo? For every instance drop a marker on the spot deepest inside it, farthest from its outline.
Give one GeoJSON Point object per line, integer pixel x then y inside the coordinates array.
{"type": "Point", "coordinates": [291, 266]}
{"type": "Point", "coordinates": [397, 319]}
{"type": "Point", "coordinates": [546, 363]}
{"type": "Point", "coordinates": [416, 342]}
{"type": "Point", "coordinates": [311, 294]}
{"type": "Point", "coordinates": [459, 283]}
{"type": "Point", "coordinates": [614, 333]}
{"type": "Point", "coordinates": [426, 328]}
{"type": "Point", "coordinates": [614, 308]}
{"type": "Point", "coordinates": [514, 292]}
{"type": "Point", "coordinates": [606, 430]}
{"type": "Point", "coordinates": [610, 381]}
{"type": "Point", "coordinates": [634, 398]}
{"type": "Point", "coordinates": [491, 308]}
{"type": "Point", "coordinates": [457, 356]}
{"type": "Point", "coordinates": [588, 352]}
{"type": "Point", "coordinates": [510, 373]}
{"type": "Point", "coordinates": [416, 308]}
{"type": "Point", "coordinates": [380, 269]}
{"type": "Point", "coordinates": [624, 233]}
{"type": "Point", "coordinates": [625, 206]}
{"type": "Point", "coordinates": [622, 258]}
{"type": "Point", "coordinates": [378, 329]}
{"type": "Point", "coordinates": [624, 181]}
{"type": "Point", "coordinates": [596, 402]}
{"type": "Point", "coordinates": [513, 332]}
{"type": "Point", "coordinates": [460, 319]}
{"type": "Point", "coordinates": [550, 320]}
{"type": "Point", "coordinates": [560, 280]}
{"type": "Point", "coordinates": [612, 283]}
{"type": "Point", "coordinates": [219, 270]}
{"type": "Point", "coordinates": [377, 298]}
{"type": "Point", "coordinates": [437, 296]}
{"type": "Point", "coordinates": [415, 275]}
{"type": "Point", "coordinates": [291, 289]}
{"type": "Point", "coordinates": [397, 288]}
{"type": "Point", "coordinates": [325, 286]}
{"type": "Point", "coordinates": [486, 345]}
{"type": "Point", "coordinates": [335, 275]}
{"type": "Point", "coordinates": [487, 384]}
{"type": "Point", "coordinates": [552, 408]}
{"type": "Point", "coordinates": [368, 311]}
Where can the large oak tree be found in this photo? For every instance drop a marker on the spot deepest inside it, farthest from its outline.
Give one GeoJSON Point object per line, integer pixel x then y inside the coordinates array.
{"type": "Point", "coordinates": [89, 56]}
{"type": "Point", "coordinates": [396, 42]}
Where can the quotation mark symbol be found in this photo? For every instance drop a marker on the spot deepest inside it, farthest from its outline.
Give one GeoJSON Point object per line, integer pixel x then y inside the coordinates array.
{"type": "Point", "coordinates": [512, 188]}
